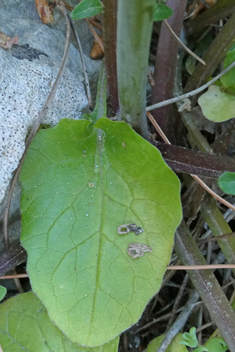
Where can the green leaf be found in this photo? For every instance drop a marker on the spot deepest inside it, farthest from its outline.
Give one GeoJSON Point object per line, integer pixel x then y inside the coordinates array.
{"type": "Point", "coordinates": [190, 338]}
{"type": "Point", "coordinates": [3, 292]}
{"type": "Point", "coordinates": [25, 325]}
{"type": "Point", "coordinates": [217, 106]}
{"type": "Point", "coordinates": [86, 8]}
{"type": "Point", "coordinates": [162, 12]}
{"type": "Point", "coordinates": [201, 349]}
{"type": "Point", "coordinates": [79, 185]}
{"type": "Point", "coordinates": [227, 182]}
{"type": "Point", "coordinates": [228, 80]}
{"type": "Point", "coordinates": [216, 345]}
{"type": "Point", "coordinates": [174, 346]}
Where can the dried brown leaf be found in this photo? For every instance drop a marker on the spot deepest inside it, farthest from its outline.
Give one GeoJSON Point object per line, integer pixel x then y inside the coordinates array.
{"type": "Point", "coordinates": [44, 11]}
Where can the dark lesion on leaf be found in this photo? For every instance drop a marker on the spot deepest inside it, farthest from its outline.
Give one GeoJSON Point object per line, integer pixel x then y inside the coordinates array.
{"type": "Point", "coordinates": [126, 228]}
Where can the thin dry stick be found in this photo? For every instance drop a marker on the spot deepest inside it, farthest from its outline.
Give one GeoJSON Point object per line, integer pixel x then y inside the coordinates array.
{"type": "Point", "coordinates": [190, 94]}
{"type": "Point", "coordinates": [180, 321]}
{"type": "Point", "coordinates": [18, 284]}
{"type": "Point", "coordinates": [14, 276]}
{"type": "Point", "coordinates": [208, 189]}
{"type": "Point", "coordinates": [177, 301]}
{"type": "Point", "coordinates": [87, 85]}
{"type": "Point", "coordinates": [95, 24]}
{"type": "Point", "coordinates": [221, 237]}
{"type": "Point", "coordinates": [36, 125]}
{"type": "Point", "coordinates": [183, 45]}
{"type": "Point", "coordinates": [97, 38]}
{"type": "Point", "coordinates": [205, 326]}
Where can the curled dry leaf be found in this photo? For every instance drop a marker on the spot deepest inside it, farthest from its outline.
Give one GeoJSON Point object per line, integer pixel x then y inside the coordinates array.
{"type": "Point", "coordinates": [7, 42]}
{"type": "Point", "coordinates": [44, 11]}
{"type": "Point", "coordinates": [200, 7]}
{"type": "Point", "coordinates": [96, 51]}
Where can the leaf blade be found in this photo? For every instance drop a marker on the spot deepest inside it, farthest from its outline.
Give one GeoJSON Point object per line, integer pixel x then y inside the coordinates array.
{"type": "Point", "coordinates": [69, 237]}
{"type": "Point", "coordinates": [217, 106]}
{"type": "Point", "coordinates": [25, 325]}
{"type": "Point", "coordinates": [227, 182]}
{"type": "Point", "coordinates": [87, 8]}
{"type": "Point", "coordinates": [162, 12]}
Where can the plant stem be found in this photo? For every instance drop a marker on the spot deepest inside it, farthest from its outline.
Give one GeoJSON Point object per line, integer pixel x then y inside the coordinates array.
{"type": "Point", "coordinates": [202, 184]}
{"type": "Point", "coordinates": [109, 35]}
{"type": "Point", "coordinates": [191, 162]}
{"type": "Point", "coordinates": [207, 286]}
{"type": "Point", "coordinates": [165, 67]}
{"type": "Point", "coordinates": [180, 321]}
{"type": "Point", "coordinates": [218, 226]}
{"type": "Point", "coordinates": [191, 93]}
{"type": "Point", "coordinates": [220, 10]}
{"type": "Point", "coordinates": [135, 18]}
{"type": "Point", "coordinates": [213, 56]}
{"type": "Point", "coordinates": [193, 130]}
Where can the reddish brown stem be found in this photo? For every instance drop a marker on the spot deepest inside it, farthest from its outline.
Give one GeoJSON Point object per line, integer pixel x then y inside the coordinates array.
{"type": "Point", "coordinates": [109, 35]}
{"type": "Point", "coordinates": [191, 162]}
{"type": "Point", "coordinates": [165, 67]}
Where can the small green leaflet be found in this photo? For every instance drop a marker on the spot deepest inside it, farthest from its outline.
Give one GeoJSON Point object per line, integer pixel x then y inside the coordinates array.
{"type": "Point", "coordinates": [227, 182]}
{"type": "Point", "coordinates": [174, 346]}
{"type": "Point", "coordinates": [87, 8]}
{"type": "Point", "coordinates": [3, 292]}
{"type": "Point", "coordinates": [218, 103]}
{"type": "Point", "coordinates": [190, 338]}
{"type": "Point", "coordinates": [162, 12]}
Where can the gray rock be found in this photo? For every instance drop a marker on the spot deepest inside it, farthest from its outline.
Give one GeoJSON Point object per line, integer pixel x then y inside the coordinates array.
{"type": "Point", "coordinates": [27, 73]}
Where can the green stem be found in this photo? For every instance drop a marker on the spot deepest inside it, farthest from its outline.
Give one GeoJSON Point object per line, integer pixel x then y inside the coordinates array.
{"type": "Point", "coordinates": [186, 117]}
{"type": "Point", "coordinates": [218, 226]}
{"type": "Point", "coordinates": [134, 27]}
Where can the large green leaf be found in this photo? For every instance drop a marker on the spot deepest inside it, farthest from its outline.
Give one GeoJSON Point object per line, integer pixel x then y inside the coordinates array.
{"type": "Point", "coordinates": [79, 185]}
{"type": "Point", "coordinates": [217, 106]}
{"type": "Point", "coordinates": [25, 326]}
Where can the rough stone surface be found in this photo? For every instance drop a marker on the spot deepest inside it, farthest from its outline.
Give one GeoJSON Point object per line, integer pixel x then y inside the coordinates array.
{"type": "Point", "coordinates": [26, 77]}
